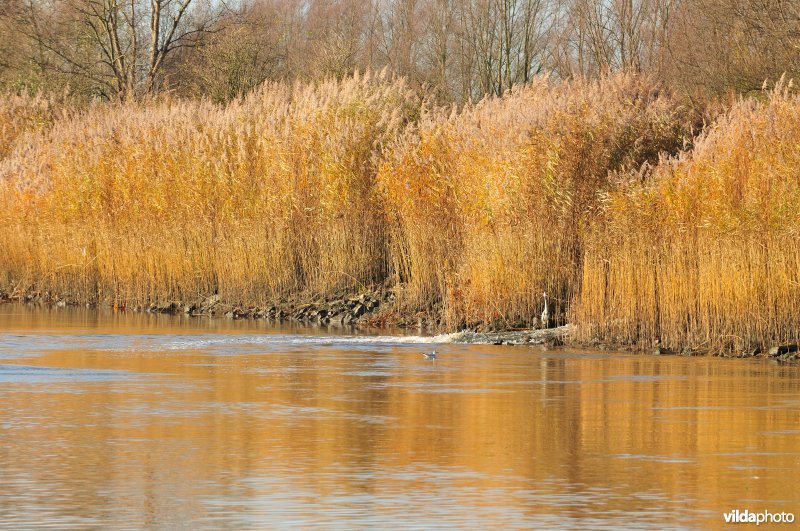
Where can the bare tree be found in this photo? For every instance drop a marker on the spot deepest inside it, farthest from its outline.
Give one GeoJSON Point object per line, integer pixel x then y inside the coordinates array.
{"type": "Point", "coordinates": [598, 37]}
{"type": "Point", "coordinates": [120, 45]}
{"type": "Point", "coordinates": [508, 41]}
{"type": "Point", "coordinates": [537, 21]}
{"type": "Point", "coordinates": [437, 42]}
{"type": "Point", "coordinates": [721, 45]}
{"type": "Point", "coordinates": [251, 47]}
{"type": "Point", "coordinates": [7, 10]}
{"type": "Point", "coordinates": [457, 49]}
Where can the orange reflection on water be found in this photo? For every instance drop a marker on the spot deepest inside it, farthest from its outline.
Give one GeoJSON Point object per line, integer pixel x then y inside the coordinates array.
{"type": "Point", "coordinates": [153, 420]}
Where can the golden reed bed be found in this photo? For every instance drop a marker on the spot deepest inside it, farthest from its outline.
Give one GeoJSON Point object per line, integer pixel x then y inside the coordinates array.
{"type": "Point", "coordinates": [576, 188]}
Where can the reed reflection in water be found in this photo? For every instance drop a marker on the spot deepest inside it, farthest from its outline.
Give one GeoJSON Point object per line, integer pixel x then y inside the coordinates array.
{"type": "Point", "coordinates": [139, 420]}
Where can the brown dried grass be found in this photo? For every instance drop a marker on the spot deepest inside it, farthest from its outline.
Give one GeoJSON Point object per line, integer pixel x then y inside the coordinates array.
{"type": "Point", "coordinates": [706, 255]}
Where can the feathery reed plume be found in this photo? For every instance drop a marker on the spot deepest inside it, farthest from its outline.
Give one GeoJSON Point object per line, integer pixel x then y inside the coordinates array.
{"type": "Point", "coordinates": [264, 198]}
{"type": "Point", "coordinates": [706, 255]}
{"type": "Point", "coordinates": [488, 206]}
{"type": "Point", "coordinates": [297, 191]}
{"type": "Point", "coordinates": [21, 114]}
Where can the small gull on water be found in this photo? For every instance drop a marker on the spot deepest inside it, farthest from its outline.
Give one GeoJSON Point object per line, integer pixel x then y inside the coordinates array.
{"type": "Point", "coordinates": [430, 355]}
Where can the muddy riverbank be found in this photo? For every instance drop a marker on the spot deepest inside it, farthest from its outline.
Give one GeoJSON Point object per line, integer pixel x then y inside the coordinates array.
{"type": "Point", "coordinates": [375, 308]}
{"type": "Point", "coordinates": [378, 308]}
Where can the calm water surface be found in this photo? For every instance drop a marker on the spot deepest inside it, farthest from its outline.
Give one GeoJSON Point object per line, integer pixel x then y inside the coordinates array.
{"type": "Point", "coordinates": [169, 422]}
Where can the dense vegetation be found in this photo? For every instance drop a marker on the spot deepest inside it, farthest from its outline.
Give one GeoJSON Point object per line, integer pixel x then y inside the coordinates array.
{"type": "Point", "coordinates": [178, 200]}
{"type": "Point", "coordinates": [170, 150]}
{"type": "Point", "coordinates": [597, 192]}
{"type": "Point", "coordinates": [454, 50]}
{"type": "Point", "coordinates": [489, 206]}
{"type": "Point", "coordinates": [705, 253]}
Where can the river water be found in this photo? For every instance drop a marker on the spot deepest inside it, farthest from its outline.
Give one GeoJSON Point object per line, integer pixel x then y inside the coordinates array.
{"type": "Point", "coordinates": [133, 420]}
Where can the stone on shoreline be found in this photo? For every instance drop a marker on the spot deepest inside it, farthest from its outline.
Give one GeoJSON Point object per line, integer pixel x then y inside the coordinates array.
{"type": "Point", "coordinates": [549, 336]}
{"type": "Point", "coordinates": [784, 352]}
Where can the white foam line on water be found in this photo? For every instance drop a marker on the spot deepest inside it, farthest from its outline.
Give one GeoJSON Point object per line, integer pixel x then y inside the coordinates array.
{"type": "Point", "coordinates": [15, 346]}
{"type": "Point", "coordinates": [299, 340]}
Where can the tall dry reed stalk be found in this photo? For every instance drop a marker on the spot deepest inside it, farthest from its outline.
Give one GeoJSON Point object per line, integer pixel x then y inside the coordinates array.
{"type": "Point", "coordinates": [488, 206]}
{"type": "Point", "coordinates": [265, 198]}
{"type": "Point", "coordinates": [706, 255]}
